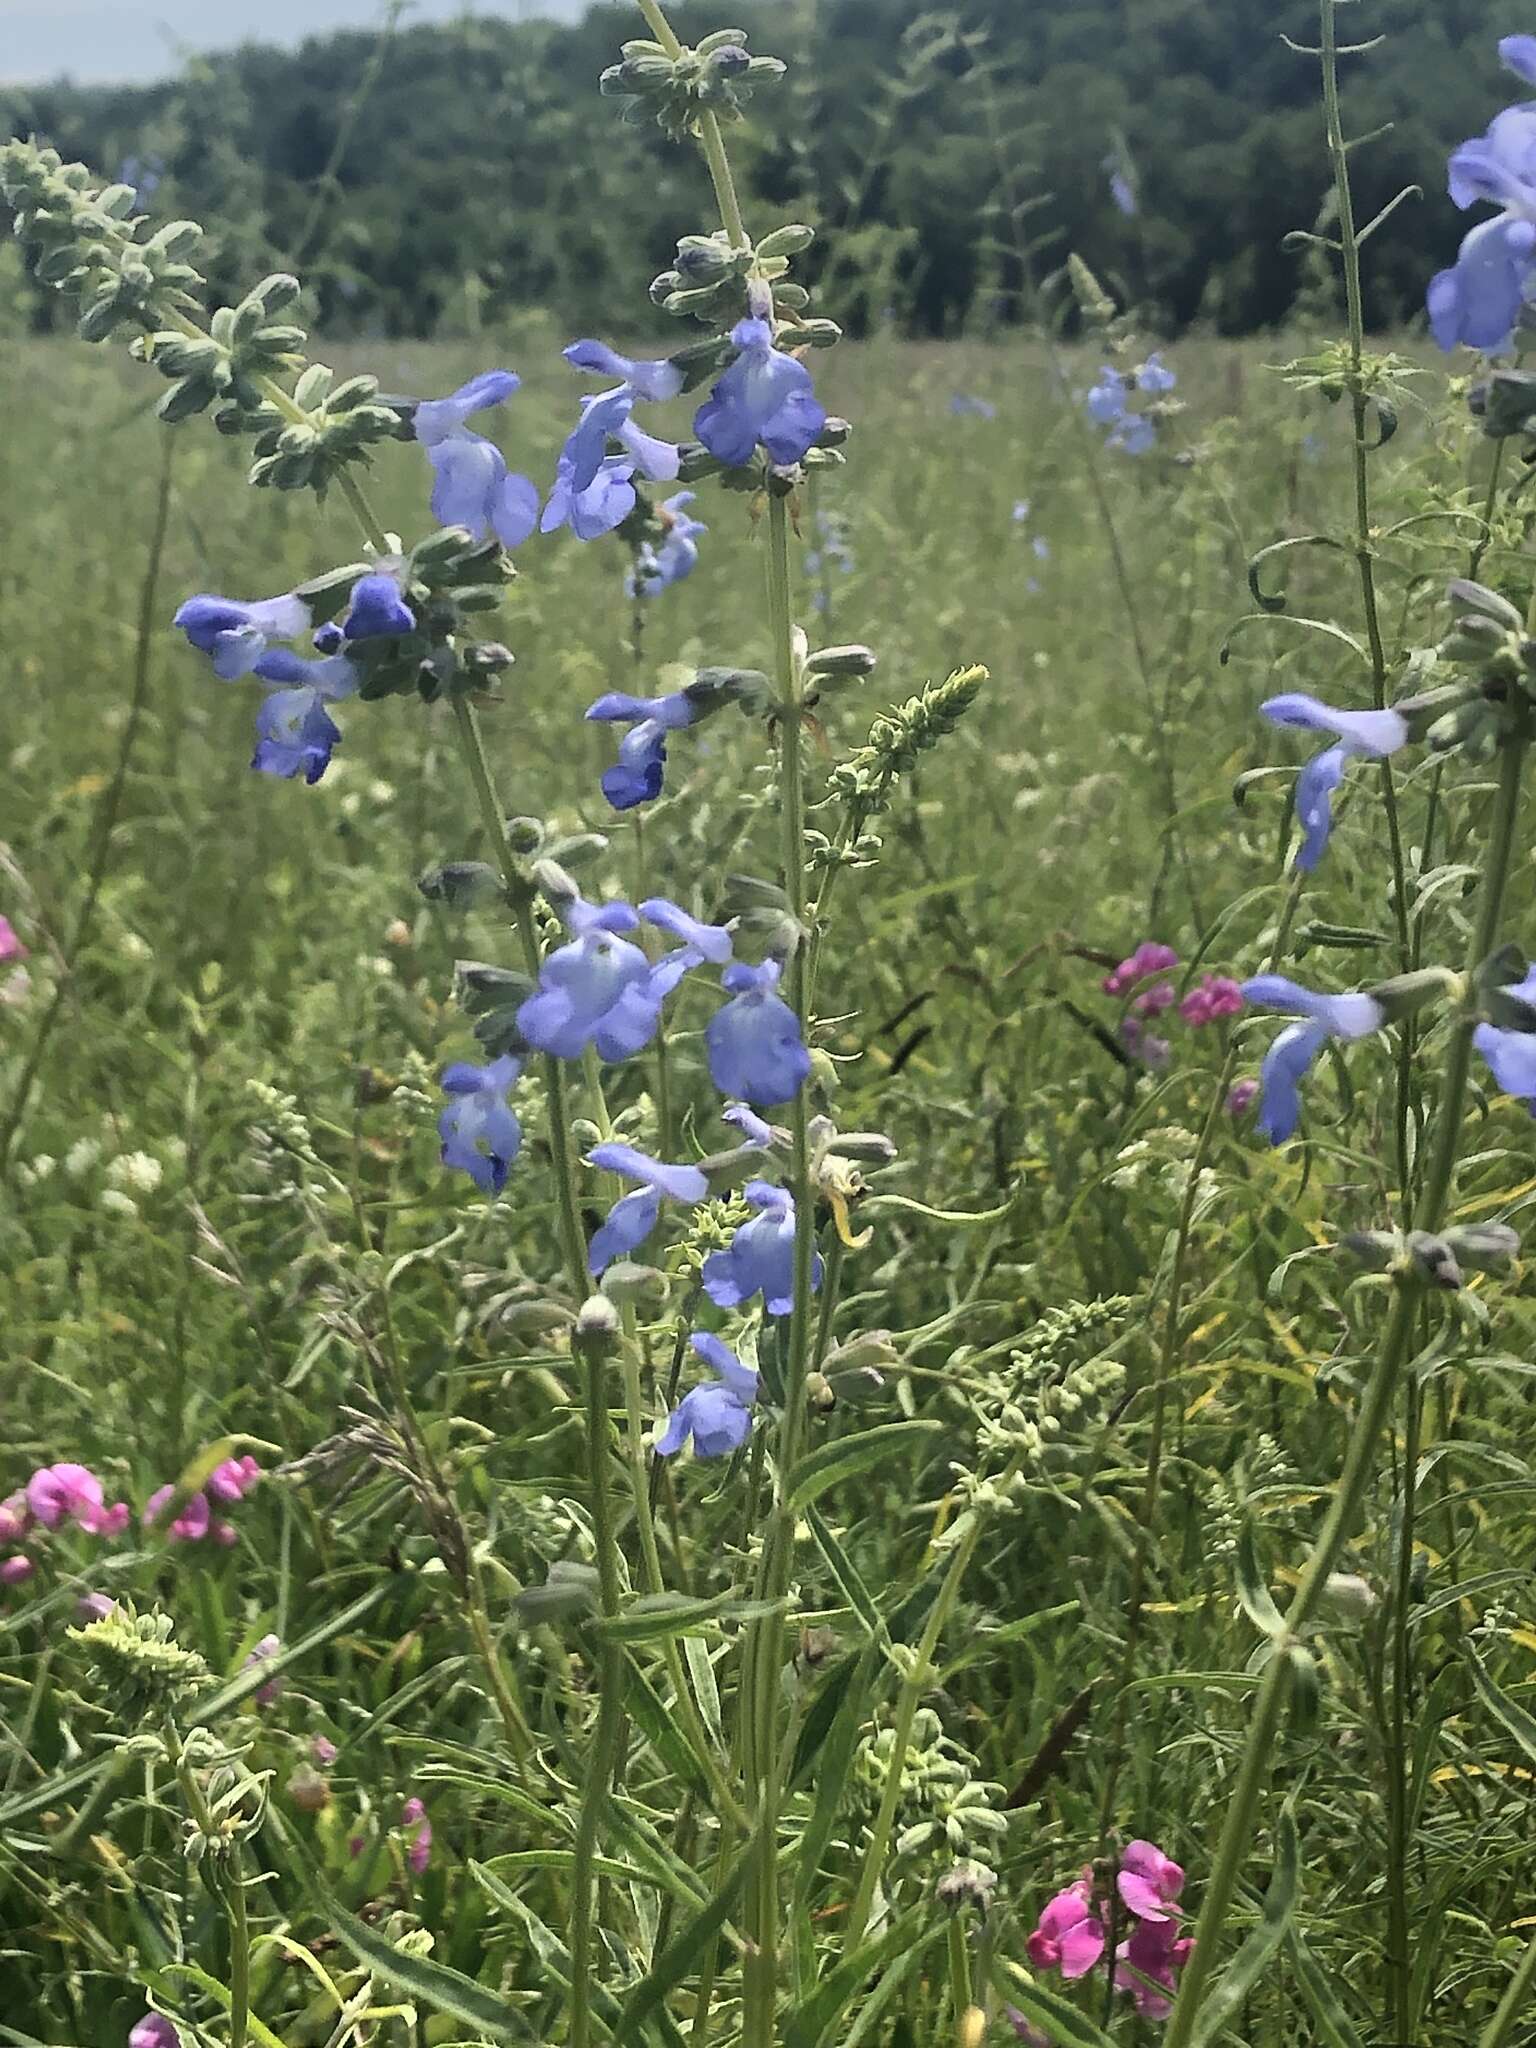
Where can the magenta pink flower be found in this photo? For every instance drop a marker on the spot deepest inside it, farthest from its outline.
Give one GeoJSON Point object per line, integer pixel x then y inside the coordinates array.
{"type": "Point", "coordinates": [1216, 996]}
{"type": "Point", "coordinates": [1243, 1096]}
{"type": "Point", "coordinates": [1152, 1002]}
{"type": "Point", "coordinates": [1148, 959]}
{"type": "Point", "coordinates": [93, 1607]}
{"type": "Point", "coordinates": [1149, 1881]}
{"type": "Point", "coordinates": [1145, 1966]}
{"type": "Point", "coordinates": [15, 1519]}
{"type": "Point", "coordinates": [418, 1852]}
{"type": "Point", "coordinates": [323, 1750]}
{"type": "Point", "coordinates": [232, 1480]}
{"type": "Point", "coordinates": [224, 1534]}
{"type": "Point", "coordinates": [58, 1493]}
{"type": "Point", "coordinates": [154, 2031]}
{"type": "Point", "coordinates": [15, 1571]}
{"type": "Point", "coordinates": [1070, 1934]}
{"type": "Point", "coordinates": [11, 947]}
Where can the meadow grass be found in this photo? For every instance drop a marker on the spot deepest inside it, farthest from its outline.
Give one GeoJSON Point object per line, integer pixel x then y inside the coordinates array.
{"type": "Point", "coordinates": [260, 1005]}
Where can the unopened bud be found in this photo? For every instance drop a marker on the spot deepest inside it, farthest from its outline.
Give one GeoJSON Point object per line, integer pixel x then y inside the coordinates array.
{"type": "Point", "coordinates": [842, 661]}
{"type": "Point", "coordinates": [1352, 1596]}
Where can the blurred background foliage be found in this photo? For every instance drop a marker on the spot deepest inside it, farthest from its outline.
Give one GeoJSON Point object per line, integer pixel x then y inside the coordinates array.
{"type": "Point", "coordinates": [434, 179]}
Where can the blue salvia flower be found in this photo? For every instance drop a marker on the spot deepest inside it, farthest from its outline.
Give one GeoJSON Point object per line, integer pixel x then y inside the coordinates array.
{"type": "Point", "coordinates": [652, 380]}
{"type": "Point", "coordinates": [472, 486]}
{"type": "Point", "coordinates": [760, 1258]}
{"type": "Point", "coordinates": [479, 1129]}
{"type": "Point", "coordinates": [755, 1048]}
{"type": "Point", "coordinates": [717, 1415]}
{"type": "Point", "coordinates": [583, 986]}
{"type": "Point", "coordinates": [376, 609]}
{"type": "Point", "coordinates": [295, 733]}
{"type": "Point", "coordinates": [633, 1217]}
{"type": "Point", "coordinates": [233, 634]}
{"type": "Point", "coordinates": [677, 557]}
{"type": "Point", "coordinates": [751, 1126]}
{"type": "Point", "coordinates": [765, 399]}
{"type": "Point", "coordinates": [594, 491]}
{"type": "Point", "coordinates": [1289, 1059]}
{"type": "Point", "coordinates": [1106, 399]}
{"type": "Point", "coordinates": [1478, 300]}
{"type": "Point", "coordinates": [1511, 1053]}
{"type": "Point", "coordinates": [1372, 733]}
{"type": "Point", "coordinates": [1121, 189]}
{"type": "Point", "coordinates": [1154, 376]}
{"type": "Point", "coordinates": [711, 942]}
{"type": "Point", "coordinates": [1134, 435]}
{"type": "Point", "coordinates": [636, 777]}
{"type": "Point", "coordinates": [604, 504]}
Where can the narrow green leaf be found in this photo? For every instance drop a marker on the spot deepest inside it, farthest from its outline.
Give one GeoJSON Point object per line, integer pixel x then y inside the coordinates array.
{"type": "Point", "coordinates": [245, 1683]}
{"type": "Point", "coordinates": [833, 1764]}
{"type": "Point", "coordinates": [1335, 2026]}
{"type": "Point", "coordinates": [1515, 1719]}
{"type": "Point", "coordinates": [1252, 1585]}
{"type": "Point", "coordinates": [656, 1616]}
{"type": "Point", "coordinates": [1251, 1960]}
{"type": "Point", "coordinates": [678, 1957]}
{"type": "Point", "coordinates": [841, 1566]}
{"type": "Point", "coordinates": [834, 1462]}
{"type": "Point", "coordinates": [215, 1990]}
{"type": "Point", "coordinates": [424, 1981]}
{"type": "Point", "coordinates": [819, 2013]}
{"type": "Point", "coordinates": [653, 1717]}
{"type": "Point", "coordinates": [62, 1785]}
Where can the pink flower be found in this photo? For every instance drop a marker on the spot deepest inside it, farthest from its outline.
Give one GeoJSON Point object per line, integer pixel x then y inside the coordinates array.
{"type": "Point", "coordinates": [93, 1607]}
{"type": "Point", "coordinates": [1153, 1001]}
{"type": "Point", "coordinates": [154, 2031]}
{"type": "Point", "coordinates": [15, 1571]}
{"type": "Point", "coordinates": [225, 1534]}
{"type": "Point", "coordinates": [419, 1850]}
{"type": "Point", "coordinates": [1145, 1046]}
{"type": "Point", "coordinates": [15, 1519]}
{"type": "Point", "coordinates": [1242, 1098]}
{"type": "Point", "coordinates": [190, 1526]}
{"type": "Point", "coordinates": [1030, 2036]}
{"type": "Point", "coordinates": [1216, 996]}
{"type": "Point", "coordinates": [1146, 1965]}
{"type": "Point", "coordinates": [1148, 959]}
{"type": "Point", "coordinates": [1149, 1881]}
{"type": "Point", "coordinates": [57, 1493]}
{"type": "Point", "coordinates": [258, 1654]}
{"type": "Point", "coordinates": [232, 1480]}
{"type": "Point", "coordinates": [323, 1750]}
{"type": "Point", "coordinates": [11, 947]}
{"type": "Point", "coordinates": [1070, 1935]}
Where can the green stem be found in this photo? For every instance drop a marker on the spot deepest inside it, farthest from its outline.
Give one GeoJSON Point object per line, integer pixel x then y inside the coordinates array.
{"type": "Point", "coordinates": [1359, 1460]}
{"type": "Point", "coordinates": [239, 1954]}
{"type": "Point", "coordinates": [913, 1686]}
{"type": "Point", "coordinates": [594, 1348]}
{"type": "Point", "coordinates": [1399, 1954]}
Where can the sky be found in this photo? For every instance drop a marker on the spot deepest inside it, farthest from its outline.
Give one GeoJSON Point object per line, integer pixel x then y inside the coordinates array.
{"type": "Point", "coordinates": [112, 40]}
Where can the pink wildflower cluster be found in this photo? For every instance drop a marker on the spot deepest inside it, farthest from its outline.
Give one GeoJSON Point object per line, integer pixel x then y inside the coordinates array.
{"type": "Point", "coordinates": [55, 1497]}
{"type": "Point", "coordinates": [199, 1516]}
{"type": "Point", "coordinates": [14, 988]}
{"type": "Point", "coordinates": [1071, 1936]}
{"type": "Point", "coordinates": [260, 1653]}
{"type": "Point", "coordinates": [1141, 983]}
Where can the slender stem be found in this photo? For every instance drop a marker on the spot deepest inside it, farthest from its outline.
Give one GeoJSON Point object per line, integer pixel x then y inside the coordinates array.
{"type": "Point", "coordinates": [594, 1350]}
{"type": "Point", "coordinates": [1374, 1405]}
{"type": "Point", "coordinates": [239, 1953]}
{"type": "Point", "coordinates": [105, 823]}
{"type": "Point", "coordinates": [913, 1686]}
{"type": "Point", "coordinates": [724, 183]}
{"type": "Point", "coordinates": [1399, 1956]}
{"type": "Point", "coordinates": [959, 1967]}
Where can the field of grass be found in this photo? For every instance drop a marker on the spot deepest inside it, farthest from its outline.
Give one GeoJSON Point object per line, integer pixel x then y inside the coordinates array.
{"type": "Point", "coordinates": [224, 1226]}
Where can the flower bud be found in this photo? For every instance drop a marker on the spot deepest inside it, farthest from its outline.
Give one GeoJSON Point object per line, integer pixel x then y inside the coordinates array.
{"type": "Point", "coordinates": [1352, 1596]}
{"type": "Point", "coordinates": [460, 884]}
{"type": "Point", "coordinates": [309, 1792]}
{"type": "Point", "coordinates": [841, 661]}
{"type": "Point", "coordinates": [597, 1324]}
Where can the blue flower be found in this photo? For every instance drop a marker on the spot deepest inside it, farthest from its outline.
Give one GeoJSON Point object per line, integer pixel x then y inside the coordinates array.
{"type": "Point", "coordinates": [964, 405]}
{"type": "Point", "coordinates": [377, 610]}
{"type": "Point", "coordinates": [472, 486]}
{"type": "Point", "coordinates": [295, 734]}
{"type": "Point", "coordinates": [606, 502]}
{"type": "Point", "coordinates": [583, 985]}
{"type": "Point", "coordinates": [1511, 1053]}
{"type": "Point", "coordinates": [480, 1133]}
{"type": "Point", "coordinates": [659, 568]}
{"type": "Point", "coordinates": [1479, 299]}
{"type": "Point", "coordinates": [636, 776]}
{"type": "Point", "coordinates": [1373, 733]}
{"type": "Point", "coordinates": [234, 634]}
{"type": "Point", "coordinates": [633, 1217]}
{"type": "Point", "coordinates": [760, 1258]}
{"type": "Point", "coordinates": [653, 380]}
{"type": "Point", "coordinates": [1135, 435]}
{"type": "Point", "coordinates": [1290, 1057]}
{"type": "Point", "coordinates": [712, 942]}
{"type": "Point", "coordinates": [1106, 400]}
{"type": "Point", "coordinates": [1518, 54]}
{"type": "Point", "coordinates": [1122, 191]}
{"type": "Point", "coordinates": [751, 1126]}
{"type": "Point", "coordinates": [717, 1415]}
{"type": "Point", "coordinates": [1155, 375]}
{"type": "Point", "coordinates": [765, 399]}
{"type": "Point", "coordinates": [754, 1044]}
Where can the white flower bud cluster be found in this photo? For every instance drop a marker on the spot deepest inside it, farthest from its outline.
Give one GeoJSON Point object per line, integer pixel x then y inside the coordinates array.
{"type": "Point", "coordinates": [946, 1806]}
